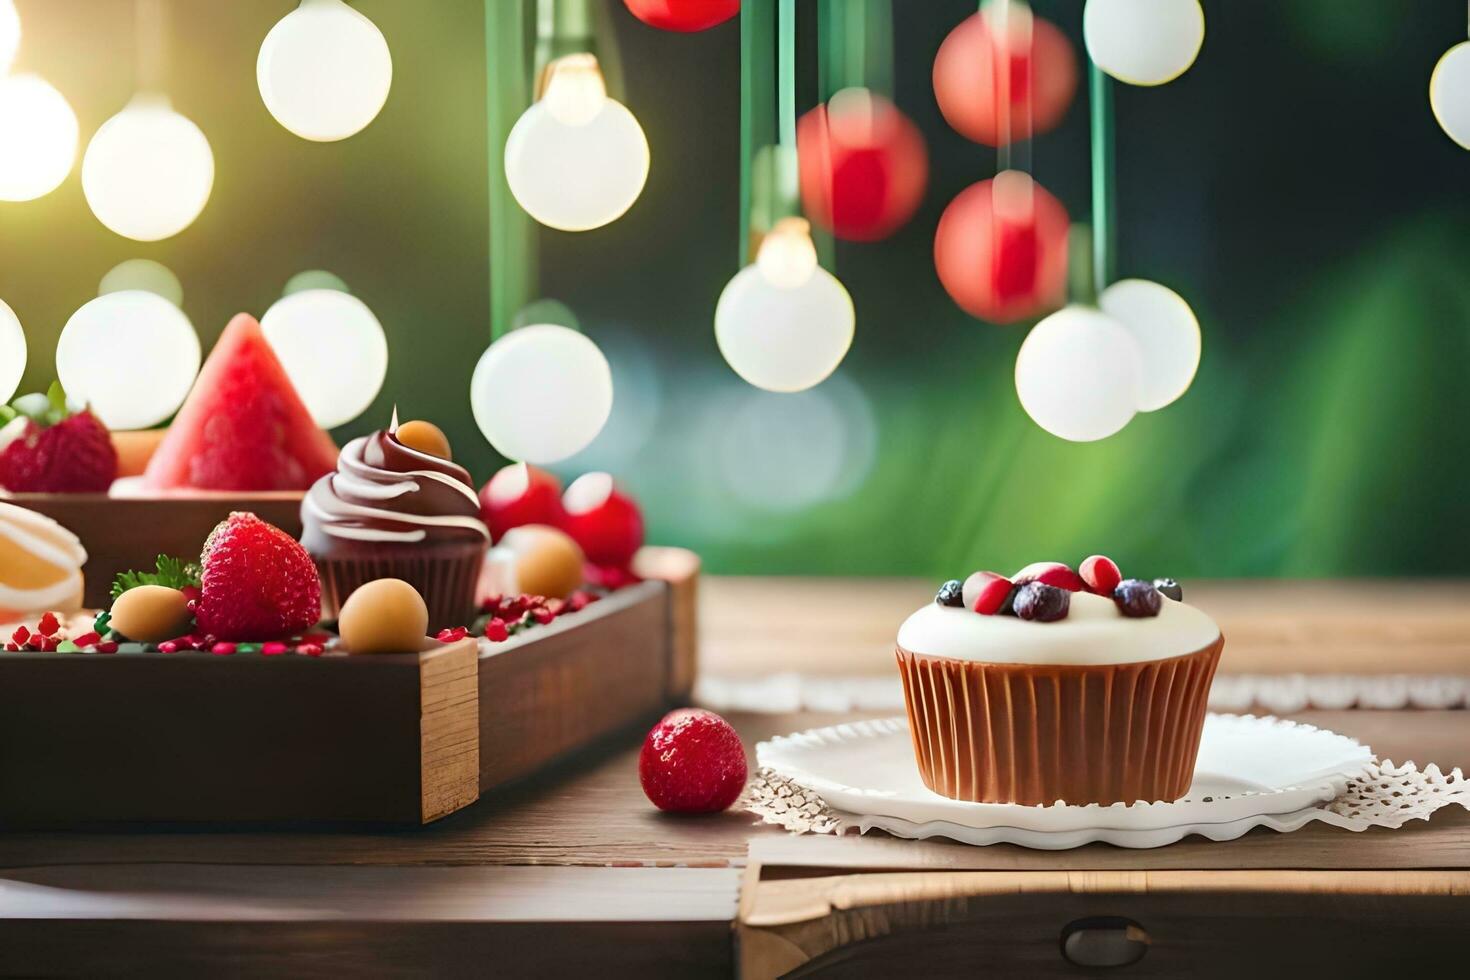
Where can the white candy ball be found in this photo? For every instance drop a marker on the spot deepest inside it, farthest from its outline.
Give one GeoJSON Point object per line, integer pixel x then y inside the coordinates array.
{"type": "Point", "coordinates": [38, 138]}
{"type": "Point", "coordinates": [1167, 334]}
{"type": "Point", "coordinates": [1449, 93]}
{"type": "Point", "coordinates": [541, 393]}
{"type": "Point", "coordinates": [324, 71]}
{"type": "Point", "coordinates": [333, 350]}
{"type": "Point", "coordinates": [1077, 374]}
{"type": "Point", "coordinates": [576, 177]}
{"type": "Point", "coordinates": [12, 352]}
{"type": "Point", "coordinates": [148, 172]}
{"type": "Point", "coordinates": [1143, 42]}
{"type": "Point", "coordinates": [784, 339]}
{"type": "Point", "coordinates": [130, 356]}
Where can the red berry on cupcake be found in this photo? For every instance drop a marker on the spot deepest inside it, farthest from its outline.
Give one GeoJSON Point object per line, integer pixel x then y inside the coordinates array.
{"type": "Point", "coordinates": [517, 495]}
{"type": "Point", "coordinates": [1101, 574]}
{"type": "Point", "coordinates": [692, 762]}
{"type": "Point", "coordinates": [1052, 573]}
{"type": "Point", "coordinates": [986, 592]}
{"type": "Point", "coordinates": [603, 520]}
{"type": "Point", "coordinates": [258, 583]}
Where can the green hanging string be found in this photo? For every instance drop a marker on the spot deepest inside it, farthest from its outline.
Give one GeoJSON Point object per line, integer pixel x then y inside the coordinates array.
{"type": "Point", "coordinates": [512, 248]}
{"type": "Point", "coordinates": [757, 125]}
{"type": "Point", "coordinates": [1104, 205]}
{"type": "Point", "coordinates": [787, 203]}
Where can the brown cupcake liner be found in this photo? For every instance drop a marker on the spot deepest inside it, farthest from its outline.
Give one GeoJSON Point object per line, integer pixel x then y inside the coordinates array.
{"type": "Point", "coordinates": [1036, 733]}
{"type": "Point", "coordinates": [446, 578]}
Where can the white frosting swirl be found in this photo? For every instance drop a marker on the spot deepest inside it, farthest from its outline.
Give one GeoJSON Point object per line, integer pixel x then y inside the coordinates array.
{"type": "Point", "coordinates": [1094, 632]}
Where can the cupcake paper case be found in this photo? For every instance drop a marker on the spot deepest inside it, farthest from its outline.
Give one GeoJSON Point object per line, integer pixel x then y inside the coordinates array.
{"type": "Point", "coordinates": [1095, 708]}
{"type": "Point", "coordinates": [391, 511]}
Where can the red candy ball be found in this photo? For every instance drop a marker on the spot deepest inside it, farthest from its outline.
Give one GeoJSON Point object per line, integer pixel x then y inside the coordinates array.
{"type": "Point", "coordinates": [863, 165]}
{"type": "Point", "coordinates": [1001, 249]}
{"type": "Point", "coordinates": [980, 77]}
{"type": "Point", "coordinates": [692, 762]}
{"type": "Point", "coordinates": [684, 16]}
{"type": "Point", "coordinates": [603, 520]}
{"type": "Point", "coordinates": [520, 494]}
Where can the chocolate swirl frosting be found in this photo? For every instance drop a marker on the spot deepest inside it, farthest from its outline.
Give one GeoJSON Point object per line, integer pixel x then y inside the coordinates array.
{"type": "Point", "coordinates": [384, 491]}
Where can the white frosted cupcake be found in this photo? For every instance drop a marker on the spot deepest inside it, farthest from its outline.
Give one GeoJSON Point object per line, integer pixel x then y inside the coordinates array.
{"type": "Point", "coordinates": [1046, 693]}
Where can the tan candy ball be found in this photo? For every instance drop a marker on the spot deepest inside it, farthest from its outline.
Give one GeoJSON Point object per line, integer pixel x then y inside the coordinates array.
{"type": "Point", "coordinates": [384, 616]}
{"type": "Point", "coordinates": [426, 437]}
{"type": "Point", "coordinates": [151, 614]}
{"type": "Point", "coordinates": [547, 561]}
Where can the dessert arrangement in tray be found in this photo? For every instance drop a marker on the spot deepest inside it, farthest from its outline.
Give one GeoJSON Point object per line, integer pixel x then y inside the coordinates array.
{"type": "Point", "coordinates": [368, 638]}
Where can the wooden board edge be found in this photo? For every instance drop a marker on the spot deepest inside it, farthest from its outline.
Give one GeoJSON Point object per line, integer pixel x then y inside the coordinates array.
{"type": "Point", "coordinates": [679, 568]}
{"type": "Point", "coordinates": [449, 729]}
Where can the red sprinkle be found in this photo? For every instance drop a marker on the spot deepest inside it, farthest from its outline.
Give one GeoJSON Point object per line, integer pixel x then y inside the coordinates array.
{"type": "Point", "coordinates": [274, 649]}
{"type": "Point", "coordinates": [48, 625]}
{"type": "Point", "coordinates": [20, 636]}
{"type": "Point", "coordinates": [87, 640]}
{"type": "Point", "coordinates": [310, 649]}
{"type": "Point", "coordinates": [222, 649]}
{"type": "Point", "coordinates": [49, 644]}
{"type": "Point", "coordinates": [168, 646]}
{"type": "Point", "coordinates": [496, 631]}
{"type": "Point", "coordinates": [542, 615]}
{"type": "Point", "coordinates": [107, 646]}
{"type": "Point", "coordinates": [12, 647]}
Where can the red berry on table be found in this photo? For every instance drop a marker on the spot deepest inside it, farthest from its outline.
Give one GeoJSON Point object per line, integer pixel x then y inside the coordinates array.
{"type": "Point", "coordinates": [258, 583]}
{"type": "Point", "coordinates": [985, 592]}
{"type": "Point", "coordinates": [520, 494]}
{"type": "Point", "coordinates": [1137, 599]}
{"type": "Point", "coordinates": [1042, 603]}
{"type": "Point", "coordinates": [1052, 573]}
{"type": "Point", "coordinates": [603, 520]}
{"type": "Point", "coordinates": [692, 762]}
{"type": "Point", "coordinates": [1101, 574]}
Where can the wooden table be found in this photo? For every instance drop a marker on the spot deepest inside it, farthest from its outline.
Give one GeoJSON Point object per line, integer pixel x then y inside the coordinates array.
{"type": "Point", "coordinates": [573, 871]}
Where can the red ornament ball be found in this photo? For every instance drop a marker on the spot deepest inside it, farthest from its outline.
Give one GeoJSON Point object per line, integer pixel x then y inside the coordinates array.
{"type": "Point", "coordinates": [683, 16]}
{"type": "Point", "coordinates": [863, 165]}
{"type": "Point", "coordinates": [604, 521]}
{"type": "Point", "coordinates": [988, 79]}
{"type": "Point", "coordinates": [692, 762]}
{"type": "Point", "coordinates": [1001, 249]}
{"type": "Point", "coordinates": [520, 494]}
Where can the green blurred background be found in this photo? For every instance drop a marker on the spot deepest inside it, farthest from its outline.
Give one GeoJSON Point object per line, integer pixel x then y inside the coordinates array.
{"type": "Point", "coordinates": [1293, 186]}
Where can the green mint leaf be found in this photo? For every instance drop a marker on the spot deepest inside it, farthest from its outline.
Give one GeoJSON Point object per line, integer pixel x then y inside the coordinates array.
{"type": "Point", "coordinates": [7, 415]}
{"type": "Point", "coordinates": [56, 397]}
{"type": "Point", "coordinates": [171, 573]}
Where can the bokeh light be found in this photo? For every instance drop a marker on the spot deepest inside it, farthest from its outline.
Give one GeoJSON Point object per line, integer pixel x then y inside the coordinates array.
{"type": "Point", "coordinates": [1001, 249]}
{"type": "Point", "coordinates": [12, 352]}
{"type": "Point", "coordinates": [1077, 374]}
{"type": "Point", "coordinates": [635, 412]}
{"type": "Point", "coordinates": [1449, 93]}
{"type": "Point", "coordinates": [324, 71]}
{"type": "Point", "coordinates": [314, 279]}
{"type": "Point", "coordinates": [9, 34]}
{"type": "Point", "coordinates": [38, 134]}
{"type": "Point", "coordinates": [333, 350]}
{"type": "Point", "coordinates": [998, 74]}
{"type": "Point", "coordinates": [143, 274]}
{"type": "Point", "coordinates": [864, 165]}
{"type": "Point", "coordinates": [148, 171]}
{"type": "Point", "coordinates": [1143, 42]}
{"type": "Point", "coordinates": [1167, 334]}
{"type": "Point", "coordinates": [130, 356]}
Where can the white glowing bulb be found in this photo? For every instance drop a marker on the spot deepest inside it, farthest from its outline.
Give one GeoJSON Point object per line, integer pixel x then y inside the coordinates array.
{"type": "Point", "coordinates": [1449, 93]}
{"type": "Point", "coordinates": [144, 274]}
{"type": "Point", "coordinates": [12, 352]}
{"type": "Point", "coordinates": [787, 257]}
{"type": "Point", "coordinates": [778, 330]}
{"type": "Point", "coordinates": [9, 34]}
{"type": "Point", "coordinates": [149, 170]}
{"type": "Point", "coordinates": [38, 138]}
{"type": "Point", "coordinates": [1077, 374]}
{"type": "Point", "coordinates": [576, 159]}
{"type": "Point", "coordinates": [333, 350]}
{"type": "Point", "coordinates": [541, 393]}
{"type": "Point", "coordinates": [130, 356]}
{"type": "Point", "coordinates": [1167, 334]}
{"type": "Point", "coordinates": [1143, 42]}
{"type": "Point", "coordinates": [324, 71]}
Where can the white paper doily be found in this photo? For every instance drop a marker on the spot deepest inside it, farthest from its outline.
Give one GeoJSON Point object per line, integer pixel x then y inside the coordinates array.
{"type": "Point", "coordinates": [1321, 777]}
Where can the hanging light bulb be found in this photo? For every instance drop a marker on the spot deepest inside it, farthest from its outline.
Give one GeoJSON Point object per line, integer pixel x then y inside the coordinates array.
{"type": "Point", "coordinates": [12, 352]}
{"type": "Point", "coordinates": [148, 172]}
{"type": "Point", "coordinates": [1077, 374]}
{"type": "Point", "coordinates": [576, 159]}
{"type": "Point", "coordinates": [1167, 335]}
{"type": "Point", "coordinates": [324, 71]}
{"type": "Point", "coordinates": [131, 356]}
{"type": "Point", "coordinates": [784, 323]}
{"type": "Point", "coordinates": [38, 138]}
{"type": "Point", "coordinates": [333, 350]}
{"type": "Point", "coordinates": [541, 393]}
{"type": "Point", "coordinates": [1449, 93]}
{"type": "Point", "coordinates": [1143, 42]}
{"type": "Point", "coordinates": [9, 34]}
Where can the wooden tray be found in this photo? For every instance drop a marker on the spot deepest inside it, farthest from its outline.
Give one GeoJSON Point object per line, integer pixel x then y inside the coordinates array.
{"type": "Point", "coordinates": [403, 739]}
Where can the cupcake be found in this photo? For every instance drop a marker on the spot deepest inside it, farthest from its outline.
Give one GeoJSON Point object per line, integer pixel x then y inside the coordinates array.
{"type": "Point", "coordinates": [1050, 687]}
{"type": "Point", "coordinates": [40, 565]}
{"type": "Point", "coordinates": [398, 507]}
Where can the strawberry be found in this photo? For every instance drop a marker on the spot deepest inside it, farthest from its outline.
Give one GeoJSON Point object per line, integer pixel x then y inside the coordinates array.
{"type": "Point", "coordinates": [692, 762]}
{"type": "Point", "coordinates": [45, 447]}
{"type": "Point", "coordinates": [258, 583]}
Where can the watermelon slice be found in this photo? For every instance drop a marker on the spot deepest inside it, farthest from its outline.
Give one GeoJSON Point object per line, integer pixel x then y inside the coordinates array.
{"type": "Point", "coordinates": [243, 427]}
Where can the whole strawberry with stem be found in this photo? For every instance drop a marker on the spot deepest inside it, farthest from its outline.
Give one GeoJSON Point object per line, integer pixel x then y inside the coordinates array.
{"type": "Point", "coordinates": [257, 583]}
{"type": "Point", "coordinates": [50, 446]}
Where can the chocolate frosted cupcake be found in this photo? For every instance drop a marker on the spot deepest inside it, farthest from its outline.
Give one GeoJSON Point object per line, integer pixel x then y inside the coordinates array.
{"type": "Point", "coordinates": [1089, 699]}
{"type": "Point", "coordinates": [398, 507]}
